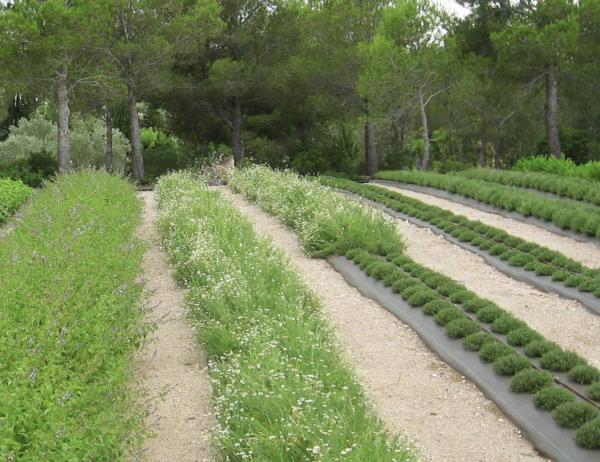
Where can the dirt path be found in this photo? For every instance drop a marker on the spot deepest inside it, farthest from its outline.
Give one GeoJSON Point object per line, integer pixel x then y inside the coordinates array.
{"type": "Point", "coordinates": [173, 368]}
{"type": "Point", "coordinates": [586, 253]}
{"type": "Point", "coordinates": [412, 390]}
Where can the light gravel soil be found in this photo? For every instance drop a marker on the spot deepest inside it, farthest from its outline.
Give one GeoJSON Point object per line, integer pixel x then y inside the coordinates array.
{"type": "Point", "coordinates": [172, 367]}
{"type": "Point", "coordinates": [583, 252]}
{"type": "Point", "coordinates": [412, 390]}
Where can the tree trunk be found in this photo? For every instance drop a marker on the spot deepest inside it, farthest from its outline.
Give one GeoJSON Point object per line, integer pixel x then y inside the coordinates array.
{"type": "Point", "coordinates": [136, 142]}
{"type": "Point", "coordinates": [483, 152]}
{"type": "Point", "coordinates": [64, 142]}
{"type": "Point", "coordinates": [370, 150]}
{"type": "Point", "coordinates": [425, 123]}
{"type": "Point", "coordinates": [237, 145]}
{"type": "Point", "coordinates": [498, 152]}
{"type": "Point", "coordinates": [109, 139]}
{"type": "Point", "coordinates": [552, 124]}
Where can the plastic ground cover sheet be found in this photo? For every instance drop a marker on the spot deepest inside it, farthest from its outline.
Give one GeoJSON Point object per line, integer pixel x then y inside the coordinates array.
{"type": "Point", "coordinates": [545, 283]}
{"type": "Point", "coordinates": [538, 426]}
{"type": "Point", "coordinates": [442, 194]}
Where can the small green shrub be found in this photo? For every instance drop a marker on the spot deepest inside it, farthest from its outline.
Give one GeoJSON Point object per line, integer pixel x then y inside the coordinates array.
{"type": "Point", "coordinates": [584, 374]}
{"type": "Point", "coordinates": [435, 306]}
{"type": "Point", "coordinates": [490, 313]}
{"type": "Point", "coordinates": [504, 324]}
{"type": "Point", "coordinates": [447, 288]}
{"type": "Point", "coordinates": [593, 391]}
{"type": "Point", "coordinates": [538, 348]}
{"type": "Point", "coordinates": [522, 336]}
{"type": "Point", "coordinates": [574, 414]}
{"type": "Point", "coordinates": [411, 290]}
{"type": "Point", "coordinates": [549, 398]}
{"type": "Point", "coordinates": [447, 315]}
{"type": "Point", "coordinates": [490, 352]}
{"type": "Point", "coordinates": [474, 304]}
{"type": "Point", "coordinates": [510, 364]}
{"type": "Point", "coordinates": [588, 435]}
{"type": "Point", "coordinates": [519, 259]}
{"type": "Point", "coordinates": [400, 285]}
{"type": "Point", "coordinates": [461, 296]}
{"type": "Point", "coordinates": [462, 327]}
{"type": "Point", "coordinates": [530, 381]}
{"type": "Point", "coordinates": [421, 297]}
{"type": "Point", "coordinates": [560, 361]}
{"type": "Point", "coordinates": [475, 341]}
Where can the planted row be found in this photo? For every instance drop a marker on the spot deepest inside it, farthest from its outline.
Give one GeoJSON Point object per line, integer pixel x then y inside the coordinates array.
{"type": "Point", "coordinates": [440, 296]}
{"type": "Point", "coordinates": [280, 388]}
{"type": "Point", "coordinates": [514, 250]}
{"type": "Point", "coordinates": [482, 324]}
{"type": "Point", "coordinates": [70, 319]}
{"type": "Point", "coordinates": [566, 215]}
{"type": "Point", "coordinates": [573, 188]}
{"type": "Point", "coordinates": [12, 195]}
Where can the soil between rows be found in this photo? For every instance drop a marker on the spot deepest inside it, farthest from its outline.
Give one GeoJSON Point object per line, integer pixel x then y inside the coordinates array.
{"type": "Point", "coordinates": [411, 388]}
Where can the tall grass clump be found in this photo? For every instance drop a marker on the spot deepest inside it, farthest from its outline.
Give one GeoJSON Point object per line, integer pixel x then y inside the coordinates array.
{"type": "Point", "coordinates": [70, 320]}
{"type": "Point", "coordinates": [564, 167]}
{"type": "Point", "coordinates": [12, 195]}
{"type": "Point", "coordinates": [280, 388]}
{"type": "Point", "coordinates": [326, 222]}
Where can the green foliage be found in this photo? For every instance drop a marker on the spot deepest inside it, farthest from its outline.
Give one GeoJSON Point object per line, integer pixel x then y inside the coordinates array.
{"type": "Point", "coordinates": [215, 252]}
{"type": "Point", "coordinates": [588, 435]}
{"type": "Point", "coordinates": [511, 364]}
{"type": "Point", "coordinates": [422, 297]}
{"type": "Point", "coordinates": [560, 361]}
{"type": "Point", "coordinates": [435, 306]}
{"type": "Point", "coordinates": [538, 348]}
{"type": "Point", "coordinates": [445, 316]}
{"type": "Point", "coordinates": [67, 343]}
{"type": "Point", "coordinates": [31, 171]}
{"type": "Point", "coordinates": [522, 336]}
{"type": "Point", "coordinates": [574, 414]}
{"type": "Point", "coordinates": [505, 323]}
{"type": "Point", "coordinates": [559, 167]}
{"type": "Point", "coordinates": [490, 313]}
{"type": "Point", "coordinates": [12, 195]}
{"type": "Point", "coordinates": [530, 381]}
{"type": "Point", "coordinates": [490, 352]}
{"type": "Point", "coordinates": [462, 327]}
{"type": "Point", "coordinates": [593, 391]}
{"type": "Point", "coordinates": [584, 374]}
{"type": "Point", "coordinates": [550, 397]}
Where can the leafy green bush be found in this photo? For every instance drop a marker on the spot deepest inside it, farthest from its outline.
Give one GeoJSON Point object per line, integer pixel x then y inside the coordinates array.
{"type": "Point", "coordinates": [435, 306]}
{"type": "Point", "coordinates": [593, 391]}
{"type": "Point", "coordinates": [67, 341]}
{"type": "Point", "coordinates": [588, 435]}
{"type": "Point", "coordinates": [550, 397]}
{"type": "Point", "coordinates": [574, 414]}
{"type": "Point", "coordinates": [490, 313]}
{"type": "Point", "coordinates": [510, 364]}
{"type": "Point", "coordinates": [585, 375]}
{"type": "Point", "coordinates": [559, 167]}
{"type": "Point", "coordinates": [490, 352]}
{"type": "Point", "coordinates": [522, 336]}
{"type": "Point", "coordinates": [12, 195]}
{"type": "Point", "coordinates": [475, 341]}
{"type": "Point", "coordinates": [421, 297]}
{"type": "Point", "coordinates": [530, 381]}
{"type": "Point", "coordinates": [462, 327]}
{"type": "Point", "coordinates": [560, 361]}
{"type": "Point", "coordinates": [538, 348]}
{"type": "Point", "coordinates": [447, 315]}
{"type": "Point", "coordinates": [237, 282]}
{"type": "Point", "coordinates": [505, 323]}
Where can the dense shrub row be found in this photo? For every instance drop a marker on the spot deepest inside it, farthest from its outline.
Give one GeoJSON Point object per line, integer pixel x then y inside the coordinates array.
{"type": "Point", "coordinates": [564, 167]}
{"type": "Point", "coordinates": [573, 188]}
{"type": "Point", "coordinates": [465, 315]}
{"type": "Point", "coordinates": [281, 390]}
{"type": "Point", "coordinates": [515, 251]}
{"type": "Point", "coordinates": [566, 215]}
{"type": "Point", "coordinates": [325, 222]}
{"type": "Point", "coordinates": [70, 320]}
{"type": "Point", "coordinates": [461, 312]}
{"type": "Point", "coordinates": [12, 195]}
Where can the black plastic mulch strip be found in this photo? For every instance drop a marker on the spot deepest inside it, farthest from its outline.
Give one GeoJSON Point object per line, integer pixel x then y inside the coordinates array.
{"type": "Point", "coordinates": [442, 194]}
{"type": "Point", "coordinates": [544, 283]}
{"type": "Point", "coordinates": [538, 426]}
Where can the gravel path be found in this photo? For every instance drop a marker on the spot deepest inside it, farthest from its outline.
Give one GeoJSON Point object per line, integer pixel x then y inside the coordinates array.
{"type": "Point", "coordinates": [586, 253]}
{"type": "Point", "coordinates": [411, 389]}
{"type": "Point", "coordinates": [172, 367]}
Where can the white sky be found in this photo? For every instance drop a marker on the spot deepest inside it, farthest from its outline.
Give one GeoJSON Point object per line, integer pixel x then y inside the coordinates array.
{"type": "Point", "coordinates": [452, 7]}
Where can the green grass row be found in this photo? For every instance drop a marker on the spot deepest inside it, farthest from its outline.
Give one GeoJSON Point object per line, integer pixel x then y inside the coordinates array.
{"type": "Point", "coordinates": [463, 315]}
{"type": "Point", "coordinates": [573, 188]}
{"type": "Point", "coordinates": [280, 388]}
{"type": "Point", "coordinates": [514, 250]}
{"type": "Point", "coordinates": [566, 215]}
{"type": "Point", "coordinates": [70, 319]}
{"type": "Point", "coordinates": [564, 167]}
{"type": "Point", "coordinates": [12, 195]}
{"type": "Point", "coordinates": [451, 303]}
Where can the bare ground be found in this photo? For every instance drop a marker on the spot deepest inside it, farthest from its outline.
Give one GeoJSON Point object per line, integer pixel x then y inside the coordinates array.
{"type": "Point", "coordinates": [586, 253]}
{"type": "Point", "coordinates": [413, 391]}
{"type": "Point", "coordinates": [172, 366]}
